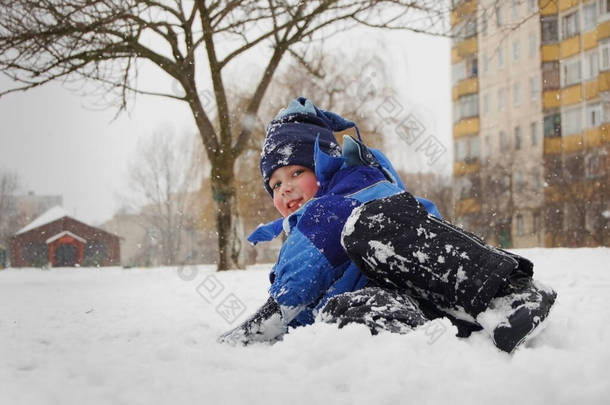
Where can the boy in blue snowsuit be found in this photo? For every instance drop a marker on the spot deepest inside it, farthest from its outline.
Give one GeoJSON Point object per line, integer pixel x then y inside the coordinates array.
{"type": "Point", "coordinates": [340, 261]}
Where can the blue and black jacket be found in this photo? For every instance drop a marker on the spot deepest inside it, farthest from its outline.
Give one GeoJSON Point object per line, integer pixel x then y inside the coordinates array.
{"type": "Point", "coordinates": [312, 265]}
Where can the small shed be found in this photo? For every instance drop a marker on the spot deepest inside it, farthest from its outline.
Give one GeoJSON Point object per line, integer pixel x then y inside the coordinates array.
{"type": "Point", "coordinates": [59, 240]}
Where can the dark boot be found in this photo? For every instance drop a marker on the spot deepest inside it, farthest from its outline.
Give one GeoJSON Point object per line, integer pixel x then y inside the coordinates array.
{"type": "Point", "coordinates": [517, 315]}
{"type": "Point", "coordinates": [375, 307]}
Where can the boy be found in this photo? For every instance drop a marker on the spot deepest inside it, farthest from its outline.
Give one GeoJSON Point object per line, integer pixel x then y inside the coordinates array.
{"type": "Point", "coordinates": [359, 246]}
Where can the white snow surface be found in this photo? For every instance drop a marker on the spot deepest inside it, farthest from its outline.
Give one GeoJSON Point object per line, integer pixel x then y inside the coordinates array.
{"type": "Point", "coordinates": [148, 336]}
{"type": "Point", "coordinates": [52, 214]}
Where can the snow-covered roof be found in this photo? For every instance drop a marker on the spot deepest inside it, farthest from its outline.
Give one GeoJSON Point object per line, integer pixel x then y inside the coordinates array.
{"type": "Point", "coordinates": [49, 216]}
{"type": "Point", "coordinates": [64, 233]}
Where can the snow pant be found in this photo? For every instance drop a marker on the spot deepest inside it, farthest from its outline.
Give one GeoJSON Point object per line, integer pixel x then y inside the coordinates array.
{"type": "Point", "coordinates": [449, 272]}
{"type": "Point", "coordinates": [376, 308]}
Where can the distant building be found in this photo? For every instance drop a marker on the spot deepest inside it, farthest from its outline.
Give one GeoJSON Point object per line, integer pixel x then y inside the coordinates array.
{"type": "Point", "coordinates": [58, 240]}
{"type": "Point", "coordinates": [531, 122]}
{"type": "Point", "coordinates": [30, 205]}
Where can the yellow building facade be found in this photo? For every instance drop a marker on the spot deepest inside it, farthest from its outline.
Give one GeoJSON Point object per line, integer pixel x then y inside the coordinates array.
{"type": "Point", "coordinates": [531, 95]}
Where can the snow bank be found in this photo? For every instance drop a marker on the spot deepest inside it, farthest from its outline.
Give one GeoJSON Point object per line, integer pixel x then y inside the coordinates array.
{"type": "Point", "coordinates": [147, 336]}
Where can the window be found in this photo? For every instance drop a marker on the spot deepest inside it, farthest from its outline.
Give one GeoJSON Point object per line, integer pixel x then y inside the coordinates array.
{"type": "Point", "coordinates": [515, 9]}
{"type": "Point", "coordinates": [552, 126]}
{"type": "Point", "coordinates": [594, 165]}
{"type": "Point", "coordinates": [550, 75]}
{"type": "Point", "coordinates": [570, 70]}
{"type": "Point", "coordinates": [569, 25]}
{"type": "Point", "coordinates": [604, 7]}
{"type": "Point", "coordinates": [531, 5]}
{"type": "Point", "coordinates": [520, 225]}
{"type": "Point", "coordinates": [517, 137]}
{"type": "Point", "coordinates": [485, 62]}
{"type": "Point", "coordinates": [536, 222]}
{"type": "Point", "coordinates": [589, 17]}
{"type": "Point", "coordinates": [460, 150]}
{"type": "Point", "coordinates": [516, 95]}
{"type": "Point", "coordinates": [604, 55]}
{"type": "Point", "coordinates": [533, 88]}
{"type": "Point", "coordinates": [516, 51]}
{"type": "Point", "coordinates": [590, 70]}
{"type": "Point", "coordinates": [488, 146]}
{"type": "Point", "coordinates": [459, 72]}
{"type": "Point", "coordinates": [484, 23]}
{"type": "Point", "coordinates": [572, 121]}
{"type": "Point", "coordinates": [534, 133]}
{"type": "Point", "coordinates": [503, 141]}
{"type": "Point", "coordinates": [500, 57]}
{"type": "Point", "coordinates": [606, 111]}
{"type": "Point", "coordinates": [594, 115]}
{"type": "Point", "coordinates": [533, 43]}
{"type": "Point", "coordinates": [467, 148]}
{"type": "Point", "coordinates": [469, 106]}
{"type": "Point", "coordinates": [486, 103]}
{"type": "Point", "coordinates": [472, 67]}
{"type": "Point", "coordinates": [501, 99]}
{"type": "Point", "coordinates": [499, 16]}
{"type": "Point", "coordinates": [474, 148]}
{"type": "Point", "coordinates": [549, 29]}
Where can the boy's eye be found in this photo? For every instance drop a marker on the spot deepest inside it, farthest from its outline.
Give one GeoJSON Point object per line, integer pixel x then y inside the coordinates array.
{"type": "Point", "coordinates": [276, 185]}
{"type": "Point", "coordinates": [297, 172]}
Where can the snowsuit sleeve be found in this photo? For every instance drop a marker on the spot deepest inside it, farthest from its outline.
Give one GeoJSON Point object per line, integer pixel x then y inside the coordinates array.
{"type": "Point", "coordinates": [312, 258]}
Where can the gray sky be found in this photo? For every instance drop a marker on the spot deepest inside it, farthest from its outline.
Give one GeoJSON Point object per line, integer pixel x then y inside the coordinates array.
{"type": "Point", "coordinates": [58, 145]}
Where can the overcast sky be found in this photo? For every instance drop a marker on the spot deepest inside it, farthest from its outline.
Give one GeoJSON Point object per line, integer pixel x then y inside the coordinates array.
{"type": "Point", "coordinates": [58, 144]}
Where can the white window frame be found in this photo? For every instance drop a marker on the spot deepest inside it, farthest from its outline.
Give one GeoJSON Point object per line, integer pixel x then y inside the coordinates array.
{"type": "Point", "coordinates": [534, 138]}
{"type": "Point", "coordinates": [501, 99]}
{"type": "Point", "coordinates": [516, 50]}
{"type": "Point", "coordinates": [500, 54]}
{"type": "Point", "coordinates": [518, 137]}
{"type": "Point", "coordinates": [571, 72]}
{"type": "Point", "coordinates": [604, 54]}
{"type": "Point", "coordinates": [571, 121]}
{"type": "Point", "coordinates": [516, 94]}
{"type": "Point", "coordinates": [591, 65]}
{"type": "Point", "coordinates": [570, 25]}
{"type": "Point", "coordinates": [594, 115]}
{"type": "Point", "coordinates": [534, 90]}
{"type": "Point", "coordinates": [520, 225]}
{"type": "Point", "coordinates": [604, 8]}
{"type": "Point", "coordinates": [533, 42]}
{"type": "Point", "coordinates": [589, 17]}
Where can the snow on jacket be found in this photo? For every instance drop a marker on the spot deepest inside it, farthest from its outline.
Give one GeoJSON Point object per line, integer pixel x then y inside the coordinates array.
{"type": "Point", "coordinates": [312, 265]}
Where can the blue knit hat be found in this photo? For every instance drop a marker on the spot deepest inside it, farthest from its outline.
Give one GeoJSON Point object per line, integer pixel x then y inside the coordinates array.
{"type": "Point", "coordinates": [292, 134]}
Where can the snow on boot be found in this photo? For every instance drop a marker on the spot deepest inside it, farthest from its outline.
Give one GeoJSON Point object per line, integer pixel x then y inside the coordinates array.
{"type": "Point", "coordinates": [266, 325]}
{"type": "Point", "coordinates": [376, 308]}
{"type": "Point", "coordinates": [516, 317]}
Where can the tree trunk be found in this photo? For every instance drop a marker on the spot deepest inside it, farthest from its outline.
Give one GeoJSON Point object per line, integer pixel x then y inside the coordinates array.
{"type": "Point", "coordinates": [227, 216]}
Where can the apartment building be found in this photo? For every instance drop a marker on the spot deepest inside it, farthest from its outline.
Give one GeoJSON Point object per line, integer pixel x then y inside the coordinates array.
{"type": "Point", "coordinates": [531, 96]}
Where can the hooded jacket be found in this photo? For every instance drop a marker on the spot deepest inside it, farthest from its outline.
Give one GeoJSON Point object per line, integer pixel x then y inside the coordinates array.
{"type": "Point", "coordinates": [312, 265]}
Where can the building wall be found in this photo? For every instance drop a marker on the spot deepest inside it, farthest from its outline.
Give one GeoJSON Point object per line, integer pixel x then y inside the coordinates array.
{"type": "Point", "coordinates": [533, 66]}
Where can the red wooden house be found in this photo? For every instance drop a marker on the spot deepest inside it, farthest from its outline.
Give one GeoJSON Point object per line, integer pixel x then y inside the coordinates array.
{"type": "Point", "coordinates": [59, 240]}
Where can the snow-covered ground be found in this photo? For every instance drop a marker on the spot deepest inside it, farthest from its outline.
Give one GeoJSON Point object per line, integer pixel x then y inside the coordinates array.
{"type": "Point", "coordinates": [147, 336]}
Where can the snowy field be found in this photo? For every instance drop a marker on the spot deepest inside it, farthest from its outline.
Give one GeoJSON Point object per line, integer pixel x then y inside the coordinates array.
{"type": "Point", "coordinates": [147, 336]}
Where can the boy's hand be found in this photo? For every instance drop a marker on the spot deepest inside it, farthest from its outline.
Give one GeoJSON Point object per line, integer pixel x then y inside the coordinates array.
{"type": "Point", "coordinates": [266, 325]}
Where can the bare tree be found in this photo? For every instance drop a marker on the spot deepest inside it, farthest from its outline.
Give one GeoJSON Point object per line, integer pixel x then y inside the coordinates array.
{"type": "Point", "coordinates": [104, 42]}
{"type": "Point", "coordinates": [333, 82]}
{"type": "Point", "coordinates": [9, 215]}
{"type": "Point", "coordinates": [162, 177]}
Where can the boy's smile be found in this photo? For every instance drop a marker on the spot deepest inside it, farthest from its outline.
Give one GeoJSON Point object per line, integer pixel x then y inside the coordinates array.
{"type": "Point", "coordinates": [292, 187]}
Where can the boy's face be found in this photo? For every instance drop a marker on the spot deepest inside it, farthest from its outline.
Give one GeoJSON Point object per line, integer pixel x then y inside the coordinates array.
{"type": "Point", "coordinates": [292, 187]}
